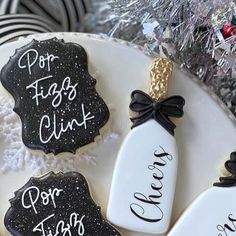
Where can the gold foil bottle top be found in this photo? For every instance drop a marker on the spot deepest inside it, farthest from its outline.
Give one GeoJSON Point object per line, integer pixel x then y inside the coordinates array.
{"type": "Point", "coordinates": [161, 71]}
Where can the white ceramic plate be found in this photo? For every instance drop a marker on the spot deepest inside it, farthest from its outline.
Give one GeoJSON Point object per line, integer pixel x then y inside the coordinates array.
{"type": "Point", "coordinates": [205, 135]}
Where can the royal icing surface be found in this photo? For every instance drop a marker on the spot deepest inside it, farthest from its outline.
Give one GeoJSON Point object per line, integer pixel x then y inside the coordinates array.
{"type": "Point", "coordinates": [55, 96]}
{"type": "Point", "coordinates": [56, 204]}
{"type": "Point", "coordinates": [144, 180]}
{"type": "Point", "coordinates": [214, 211]}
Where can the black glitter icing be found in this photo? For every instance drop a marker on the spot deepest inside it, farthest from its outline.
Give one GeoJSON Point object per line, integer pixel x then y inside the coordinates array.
{"type": "Point", "coordinates": [55, 96]}
{"type": "Point", "coordinates": [56, 205]}
{"type": "Point", "coordinates": [230, 166]}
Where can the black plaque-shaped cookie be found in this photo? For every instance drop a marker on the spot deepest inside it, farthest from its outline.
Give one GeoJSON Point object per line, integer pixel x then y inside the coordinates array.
{"type": "Point", "coordinates": [55, 96]}
{"type": "Point", "coordinates": [56, 205]}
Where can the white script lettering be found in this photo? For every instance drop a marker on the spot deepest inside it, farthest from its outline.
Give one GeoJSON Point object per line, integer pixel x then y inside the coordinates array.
{"type": "Point", "coordinates": [32, 195]}
{"type": "Point", "coordinates": [32, 57]}
{"type": "Point", "coordinates": [47, 123]}
{"type": "Point", "coordinates": [62, 228]}
{"type": "Point", "coordinates": [57, 93]}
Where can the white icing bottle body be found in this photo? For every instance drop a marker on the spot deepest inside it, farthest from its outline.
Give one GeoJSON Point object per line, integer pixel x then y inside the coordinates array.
{"type": "Point", "coordinates": [144, 180]}
{"type": "Point", "coordinates": [212, 213]}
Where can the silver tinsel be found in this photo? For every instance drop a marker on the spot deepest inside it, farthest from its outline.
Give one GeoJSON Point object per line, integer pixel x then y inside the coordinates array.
{"type": "Point", "coordinates": [190, 32]}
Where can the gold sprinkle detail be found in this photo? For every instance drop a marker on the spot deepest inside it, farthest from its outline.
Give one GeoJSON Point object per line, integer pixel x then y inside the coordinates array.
{"type": "Point", "coordinates": [161, 71]}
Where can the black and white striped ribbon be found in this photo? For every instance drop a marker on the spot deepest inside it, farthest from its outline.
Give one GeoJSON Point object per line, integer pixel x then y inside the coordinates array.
{"type": "Point", "coordinates": [24, 17]}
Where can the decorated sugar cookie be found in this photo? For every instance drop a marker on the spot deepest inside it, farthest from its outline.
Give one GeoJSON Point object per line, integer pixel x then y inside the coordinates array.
{"type": "Point", "coordinates": [214, 211]}
{"type": "Point", "coordinates": [55, 96]}
{"type": "Point", "coordinates": [56, 204]}
{"type": "Point", "coordinates": [144, 179]}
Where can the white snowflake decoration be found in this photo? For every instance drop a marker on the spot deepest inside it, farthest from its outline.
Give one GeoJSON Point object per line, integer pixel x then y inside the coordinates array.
{"type": "Point", "coordinates": [16, 155]}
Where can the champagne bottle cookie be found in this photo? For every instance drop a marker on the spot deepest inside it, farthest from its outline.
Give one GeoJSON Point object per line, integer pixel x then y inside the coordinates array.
{"type": "Point", "coordinates": [144, 179]}
{"type": "Point", "coordinates": [55, 96]}
{"type": "Point", "coordinates": [214, 211]}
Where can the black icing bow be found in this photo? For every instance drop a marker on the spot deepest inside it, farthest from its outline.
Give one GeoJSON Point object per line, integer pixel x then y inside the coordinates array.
{"type": "Point", "coordinates": [147, 108]}
{"type": "Point", "coordinates": [230, 166]}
